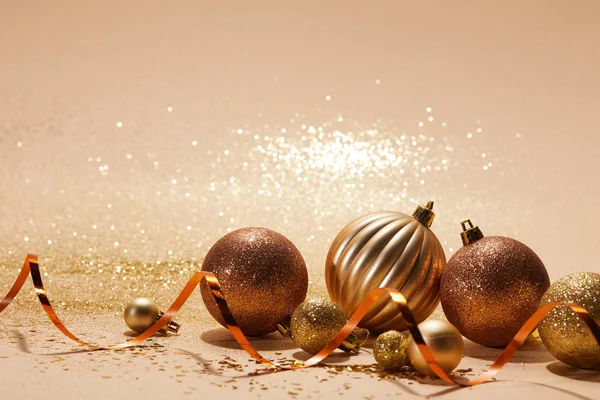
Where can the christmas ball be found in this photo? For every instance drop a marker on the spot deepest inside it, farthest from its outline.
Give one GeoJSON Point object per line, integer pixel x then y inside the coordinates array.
{"type": "Point", "coordinates": [262, 275]}
{"type": "Point", "coordinates": [390, 349]}
{"type": "Point", "coordinates": [563, 333]}
{"type": "Point", "coordinates": [141, 313]}
{"type": "Point", "coordinates": [315, 323]}
{"type": "Point", "coordinates": [444, 341]}
{"type": "Point", "coordinates": [386, 249]}
{"type": "Point", "coordinates": [491, 286]}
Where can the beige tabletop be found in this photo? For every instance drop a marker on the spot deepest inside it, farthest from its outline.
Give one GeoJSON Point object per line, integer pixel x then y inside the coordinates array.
{"type": "Point", "coordinates": [133, 135]}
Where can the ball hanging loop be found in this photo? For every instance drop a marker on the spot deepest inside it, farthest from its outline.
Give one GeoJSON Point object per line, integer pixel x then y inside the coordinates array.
{"type": "Point", "coordinates": [470, 233]}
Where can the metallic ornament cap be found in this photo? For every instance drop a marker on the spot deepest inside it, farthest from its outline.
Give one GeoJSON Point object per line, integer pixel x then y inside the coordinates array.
{"type": "Point", "coordinates": [470, 233]}
{"type": "Point", "coordinates": [355, 340]}
{"type": "Point", "coordinates": [172, 326]}
{"type": "Point", "coordinates": [284, 327]}
{"type": "Point", "coordinates": [424, 214]}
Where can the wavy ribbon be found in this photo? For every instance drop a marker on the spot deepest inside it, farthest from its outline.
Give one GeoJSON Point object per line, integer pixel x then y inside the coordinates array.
{"type": "Point", "coordinates": [31, 267]}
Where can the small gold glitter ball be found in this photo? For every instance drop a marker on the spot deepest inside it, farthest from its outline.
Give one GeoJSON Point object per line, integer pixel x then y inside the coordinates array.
{"type": "Point", "coordinates": [263, 277]}
{"type": "Point", "coordinates": [445, 342]}
{"type": "Point", "coordinates": [390, 349]}
{"type": "Point", "coordinates": [563, 333]}
{"type": "Point", "coordinates": [315, 323]}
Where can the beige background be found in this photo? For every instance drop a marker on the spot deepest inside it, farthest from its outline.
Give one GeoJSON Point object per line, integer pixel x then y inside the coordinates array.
{"type": "Point", "coordinates": [84, 86]}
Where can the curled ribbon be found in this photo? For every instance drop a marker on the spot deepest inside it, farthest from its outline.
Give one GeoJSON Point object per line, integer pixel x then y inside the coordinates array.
{"type": "Point", "coordinates": [31, 266]}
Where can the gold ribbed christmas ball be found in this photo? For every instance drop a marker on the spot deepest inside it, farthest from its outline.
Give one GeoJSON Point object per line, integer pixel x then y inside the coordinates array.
{"type": "Point", "coordinates": [444, 341]}
{"type": "Point", "coordinates": [491, 286]}
{"type": "Point", "coordinates": [263, 277]}
{"type": "Point", "coordinates": [315, 323]}
{"type": "Point", "coordinates": [386, 249]}
{"type": "Point", "coordinates": [563, 333]}
{"type": "Point", "coordinates": [390, 349]}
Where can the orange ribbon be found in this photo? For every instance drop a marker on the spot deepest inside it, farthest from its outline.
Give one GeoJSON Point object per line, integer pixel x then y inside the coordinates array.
{"type": "Point", "coordinates": [31, 266]}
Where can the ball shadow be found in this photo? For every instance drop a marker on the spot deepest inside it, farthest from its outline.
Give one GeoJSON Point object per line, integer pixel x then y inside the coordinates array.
{"type": "Point", "coordinates": [133, 334]}
{"type": "Point", "coordinates": [566, 371]}
{"type": "Point", "coordinates": [529, 353]}
{"type": "Point", "coordinates": [222, 337]}
{"type": "Point", "coordinates": [370, 342]}
{"type": "Point", "coordinates": [334, 358]}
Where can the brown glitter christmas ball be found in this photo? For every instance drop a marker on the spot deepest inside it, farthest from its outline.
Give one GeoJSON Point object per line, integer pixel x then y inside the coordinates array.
{"type": "Point", "coordinates": [263, 277]}
{"type": "Point", "coordinates": [491, 286]}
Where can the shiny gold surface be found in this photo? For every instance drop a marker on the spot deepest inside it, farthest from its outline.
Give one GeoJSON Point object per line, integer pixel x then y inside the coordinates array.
{"type": "Point", "coordinates": [390, 349]}
{"type": "Point", "coordinates": [141, 313]}
{"type": "Point", "coordinates": [444, 341]}
{"type": "Point", "coordinates": [263, 277]}
{"type": "Point", "coordinates": [385, 249]}
{"type": "Point", "coordinates": [491, 287]}
{"type": "Point", "coordinates": [563, 333]}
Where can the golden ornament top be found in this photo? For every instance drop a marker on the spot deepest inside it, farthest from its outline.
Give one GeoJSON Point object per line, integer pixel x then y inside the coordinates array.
{"type": "Point", "coordinates": [424, 214]}
{"type": "Point", "coordinates": [471, 233]}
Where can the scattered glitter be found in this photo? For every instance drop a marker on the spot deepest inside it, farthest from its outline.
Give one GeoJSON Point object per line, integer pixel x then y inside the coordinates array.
{"type": "Point", "coordinates": [328, 98]}
{"type": "Point", "coordinates": [337, 166]}
{"type": "Point", "coordinates": [377, 81]}
{"type": "Point", "coordinates": [119, 124]}
{"type": "Point", "coordinates": [428, 109]}
{"type": "Point", "coordinates": [169, 109]}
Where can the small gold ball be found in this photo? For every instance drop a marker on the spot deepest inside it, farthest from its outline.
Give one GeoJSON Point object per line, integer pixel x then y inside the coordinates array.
{"type": "Point", "coordinates": [390, 349]}
{"type": "Point", "coordinates": [315, 323]}
{"type": "Point", "coordinates": [445, 342]}
{"type": "Point", "coordinates": [563, 333]}
{"type": "Point", "coordinates": [140, 314]}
